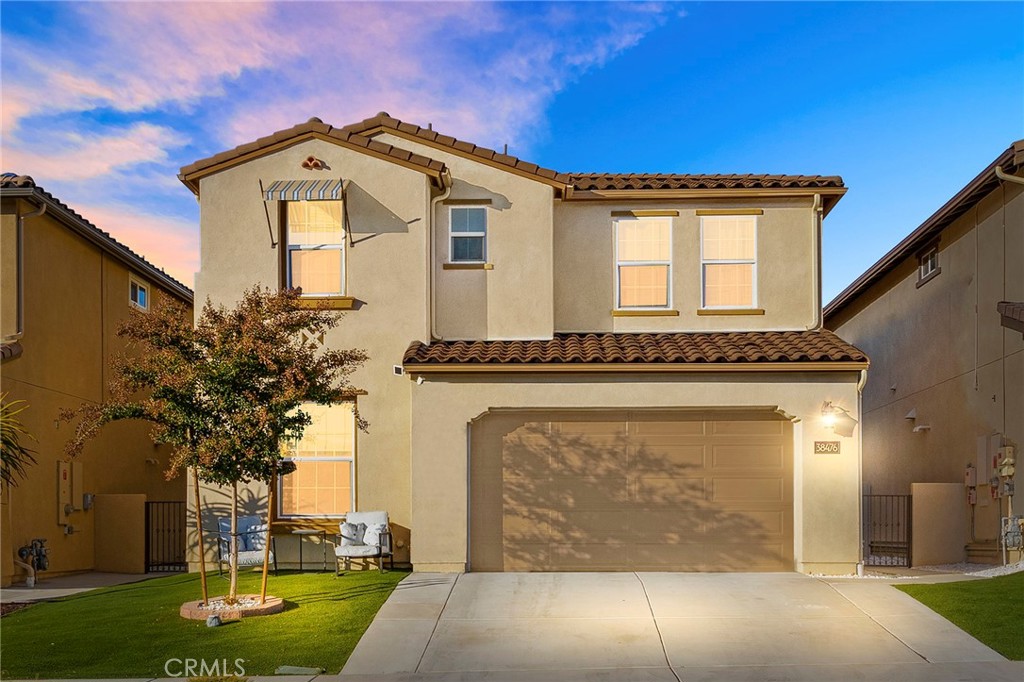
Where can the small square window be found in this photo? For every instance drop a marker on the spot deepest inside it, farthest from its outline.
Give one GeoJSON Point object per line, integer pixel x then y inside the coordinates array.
{"type": "Point", "coordinates": [468, 229]}
{"type": "Point", "coordinates": [928, 264]}
{"type": "Point", "coordinates": [138, 294]}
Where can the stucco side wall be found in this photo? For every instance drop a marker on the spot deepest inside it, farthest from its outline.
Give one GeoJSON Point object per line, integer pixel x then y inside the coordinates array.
{"type": "Point", "coordinates": [940, 350]}
{"type": "Point", "coordinates": [386, 273]}
{"type": "Point", "coordinates": [514, 299]}
{"type": "Point", "coordinates": [939, 524]}
{"type": "Point", "coordinates": [826, 487]}
{"type": "Point", "coordinates": [75, 297]}
{"type": "Point", "coordinates": [585, 268]}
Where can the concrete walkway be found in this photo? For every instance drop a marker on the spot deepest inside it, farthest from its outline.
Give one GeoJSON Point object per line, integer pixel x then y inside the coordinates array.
{"type": "Point", "coordinates": [527, 627]}
{"type": "Point", "coordinates": [64, 586]}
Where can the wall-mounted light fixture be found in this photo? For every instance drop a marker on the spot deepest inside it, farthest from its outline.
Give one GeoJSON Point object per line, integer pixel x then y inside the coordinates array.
{"type": "Point", "coordinates": [837, 418]}
{"type": "Point", "coordinates": [922, 427]}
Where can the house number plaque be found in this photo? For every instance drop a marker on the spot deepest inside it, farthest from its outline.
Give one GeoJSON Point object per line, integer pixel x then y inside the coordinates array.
{"type": "Point", "coordinates": [826, 447]}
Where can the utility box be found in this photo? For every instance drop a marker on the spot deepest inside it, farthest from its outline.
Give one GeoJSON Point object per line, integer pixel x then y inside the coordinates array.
{"type": "Point", "coordinates": [63, 492]}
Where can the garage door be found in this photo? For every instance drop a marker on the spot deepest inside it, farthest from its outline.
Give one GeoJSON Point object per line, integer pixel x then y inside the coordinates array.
{"type": "Point", "coordinates": [586, 491]}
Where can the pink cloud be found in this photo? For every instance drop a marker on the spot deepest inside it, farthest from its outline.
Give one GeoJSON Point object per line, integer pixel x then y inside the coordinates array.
{"type": "Point", "coordinates": [167, 242]}
{"type": "Point", "coordinates": [72, 156]}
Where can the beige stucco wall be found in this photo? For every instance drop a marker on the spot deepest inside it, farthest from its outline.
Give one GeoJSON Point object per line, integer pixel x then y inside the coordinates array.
{"type": "Point", "coordinates": [939, 523]}
{"type": "Point", "coordinates": [514, 299]}
{"type": "Point", "coordinates": [75, 297]}
{"type": "Point", "coordinates": [120, 540]}
{"type": "Point", "coordinates": [826, 487]}
{"type": "Point", "coordinates": [940, 350]}
{"type": "Point", "coordinates": [585, 268]}
{"type": "Point", "coordinates": [386, 274]}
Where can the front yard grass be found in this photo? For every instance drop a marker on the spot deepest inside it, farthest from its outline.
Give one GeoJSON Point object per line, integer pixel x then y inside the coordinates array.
{"type": "Point", "coordinates": [133, 630]}
{"type": "Point", "coordinates": [990, 610]}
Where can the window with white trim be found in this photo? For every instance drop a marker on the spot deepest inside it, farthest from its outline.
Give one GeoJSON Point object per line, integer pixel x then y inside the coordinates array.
{"type": "Point", "coordinates": [728, 247]}
{"type": "Point", "coordinates": [323, 483]}
{"type": "Point", "coordinates": [928, 263]}
{"type": "Point", "coordinates": [468, 234]}
{"type": "Point", "coordinates": [315, 240]}
{"type": "Point", "coordinates": [138, 293]}
{"type": "Point", "coordinates": [643, 263]}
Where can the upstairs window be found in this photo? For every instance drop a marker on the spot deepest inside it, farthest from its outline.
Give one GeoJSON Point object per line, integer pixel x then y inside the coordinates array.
{"type": "Point", "coordinates": [138, 294]}
{"type": "Point", "coordinates": [928, 264]}
{"type": "Point", "coordinates": [323, 483]}
{"type": "Point", "coordinates": [728, 261]}
{"type": "Point", "coordinates": [468, 230]}
{"type": "Point", "coordinates": [643, 262]}
{"type": "Point", "coordinates": [315, 248]}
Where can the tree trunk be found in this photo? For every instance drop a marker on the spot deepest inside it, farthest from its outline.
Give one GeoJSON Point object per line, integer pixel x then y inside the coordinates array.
{"type": "Point", "coordinates": [199, 532]}
{"type": "Point", "coordinates": [233, 568]}
{"type": "Point", "coordinates": [266, 539]}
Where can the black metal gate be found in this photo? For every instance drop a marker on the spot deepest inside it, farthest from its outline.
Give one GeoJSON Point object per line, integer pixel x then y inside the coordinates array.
{"type": "Point", "coordinates": [165, 537]}
{"type": "Point", "coordinates": [887, 536]}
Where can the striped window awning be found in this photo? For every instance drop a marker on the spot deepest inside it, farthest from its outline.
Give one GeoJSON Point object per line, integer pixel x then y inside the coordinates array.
{"type": "Point", "coordinates": [305, 190]}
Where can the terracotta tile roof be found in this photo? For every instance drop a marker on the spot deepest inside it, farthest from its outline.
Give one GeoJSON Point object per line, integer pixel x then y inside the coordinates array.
{"type": "Point", "coordinates": [361, 135]}
{"type": "Point", "coordinates": [619, 181]}
{"type": "Point", "coordinates": [10, 349]}
{"type": "Point", "coordinates": [646, 348]}
{"type": "Point", "coordinates": [14, 185]}
{"type": "Point", "coordinates": [384, 121]}
{"type": "Point", "coordinates": [309, 128]}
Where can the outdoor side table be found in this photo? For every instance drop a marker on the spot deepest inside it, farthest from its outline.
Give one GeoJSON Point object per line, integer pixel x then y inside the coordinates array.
{"type": "Point", "coordinates": [300, 532]}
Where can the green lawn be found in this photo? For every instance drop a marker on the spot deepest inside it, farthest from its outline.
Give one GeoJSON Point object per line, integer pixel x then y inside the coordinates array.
{"type": "Point", "coordinates": [133, 630]}
{"type": "Point", "coordinates": [991, 610]}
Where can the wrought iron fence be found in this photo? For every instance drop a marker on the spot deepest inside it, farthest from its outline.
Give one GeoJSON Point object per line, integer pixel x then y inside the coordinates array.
{"type": "Point", "coordinates": [165, 537]}
{"type": "Point", "coordinates": [887, 530]}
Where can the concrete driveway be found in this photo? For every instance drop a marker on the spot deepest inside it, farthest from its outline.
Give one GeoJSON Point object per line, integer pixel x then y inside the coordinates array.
{"type": "Point", "coordinates": [571, 627]}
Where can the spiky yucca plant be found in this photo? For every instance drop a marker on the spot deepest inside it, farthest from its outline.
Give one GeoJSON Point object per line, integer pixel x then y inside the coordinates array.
{"type": "Point", "coordinates": [14, 455]}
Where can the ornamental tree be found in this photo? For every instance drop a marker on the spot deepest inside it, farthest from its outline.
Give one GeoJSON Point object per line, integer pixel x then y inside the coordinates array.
{"type": "Point", "coordinates": [225, 393]}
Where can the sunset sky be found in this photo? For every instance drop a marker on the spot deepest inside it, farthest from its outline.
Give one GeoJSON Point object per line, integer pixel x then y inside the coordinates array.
{"type": "Point", "coordinates": [103, 102]}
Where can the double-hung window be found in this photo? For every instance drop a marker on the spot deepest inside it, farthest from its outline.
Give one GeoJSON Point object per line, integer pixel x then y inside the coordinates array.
{"type": "Point", "coordinates": [728, 261]}
{"type": "Point", "coordinates": [643, 263]}
{"type": "Point", "coordinates": [315, 240]}
{"type": "Point", "coordinates": [468, 230]}
{"type": "Point", "coordinates": [323, 483]}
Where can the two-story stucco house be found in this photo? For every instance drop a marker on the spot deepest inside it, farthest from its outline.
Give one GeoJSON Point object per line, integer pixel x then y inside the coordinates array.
{"type": "Point", "coordinates": [65, 288]}
{"type": "Point", "coordinates": [568, 372]}
{"type": "Point", "coordinates": [941, 317]}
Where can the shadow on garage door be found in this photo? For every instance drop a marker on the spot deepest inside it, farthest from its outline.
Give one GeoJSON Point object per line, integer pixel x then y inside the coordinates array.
{"type": "Point", "coordinates": [631, 490]}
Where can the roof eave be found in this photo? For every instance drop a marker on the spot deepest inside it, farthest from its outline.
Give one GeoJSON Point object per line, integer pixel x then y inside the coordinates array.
{"type": "Point", "coordinates": [621, 367]}
{"type": "Point", "coordinates": [960, 203]}
{"type": "Point", "coordinates": [555, 182]}
{"type": "Point", "coordinates": [191, 175]}
{"type": "Point", "coordinates": [75, 223]}
{"type": "Point", "coordinates": [830, 195]}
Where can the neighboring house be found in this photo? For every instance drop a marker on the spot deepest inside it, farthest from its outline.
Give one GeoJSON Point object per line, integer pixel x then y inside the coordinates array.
{"type": "Point", "coordinates": [567, 372]}
{"type": "Point", "coordinates": [66, 286]}
{"type": "Point", "coordinates": [941, 317]}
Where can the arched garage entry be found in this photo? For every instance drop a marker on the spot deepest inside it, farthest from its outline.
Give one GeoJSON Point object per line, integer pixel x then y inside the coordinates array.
{"type": "Point", "coordinates": [583, 490]}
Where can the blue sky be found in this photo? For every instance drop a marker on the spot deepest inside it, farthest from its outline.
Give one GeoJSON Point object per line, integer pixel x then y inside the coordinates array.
{"type": "Point", "coordinates": [907, 101]}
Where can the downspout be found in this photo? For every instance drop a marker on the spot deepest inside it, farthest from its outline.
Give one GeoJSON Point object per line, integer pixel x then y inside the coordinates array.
{"type": "Point", "coordinates": [431, 266]}
{"type": "Point", "coordinates": [21, 265]}
{"type": "Point", "coordinates": [860, 467]}
{"type": "Point", "coordinates": [30, 579]}
{"type": "Point", "coordinates": [1007, 177]}
{"type": "Point", "coordinates": [817, 218]}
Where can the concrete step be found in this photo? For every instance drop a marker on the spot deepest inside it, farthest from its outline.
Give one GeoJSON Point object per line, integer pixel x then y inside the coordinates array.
{"type": "Point", "coordinates": [984, 552]}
